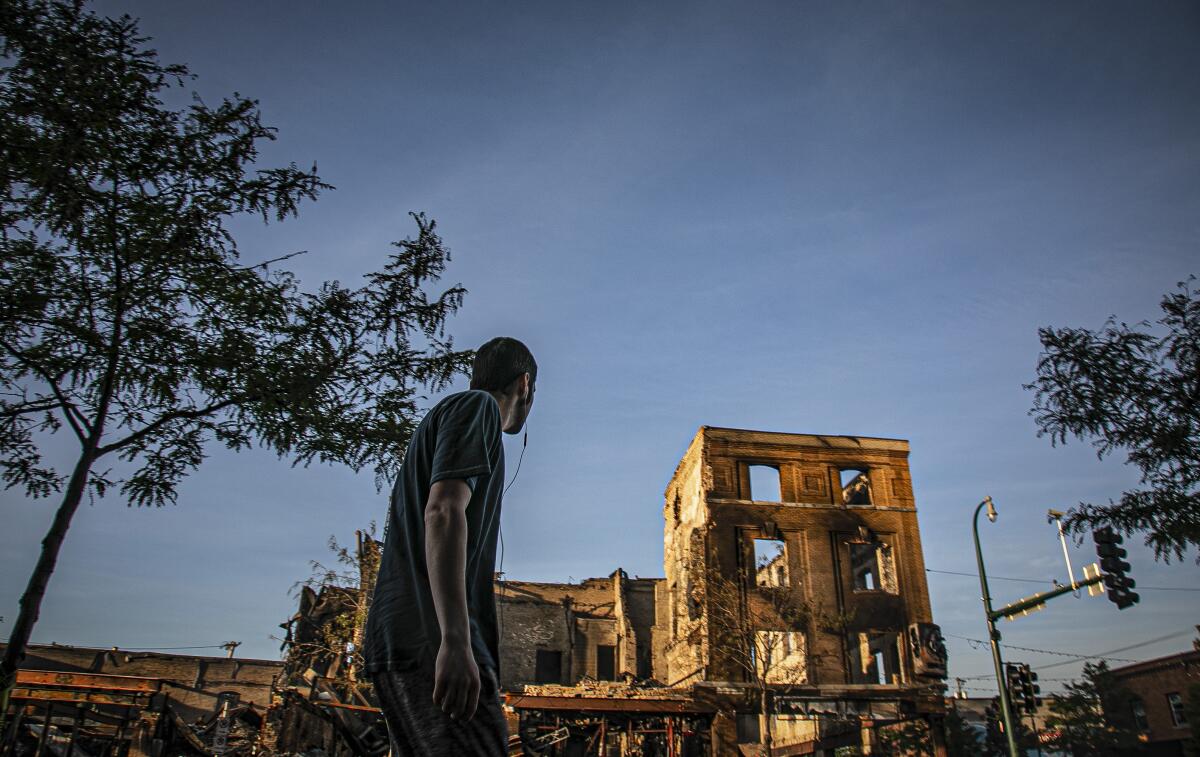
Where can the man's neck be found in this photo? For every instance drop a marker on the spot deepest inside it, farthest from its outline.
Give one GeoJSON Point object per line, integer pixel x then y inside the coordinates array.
{"type": "Point", "coordinates": [508, 406]}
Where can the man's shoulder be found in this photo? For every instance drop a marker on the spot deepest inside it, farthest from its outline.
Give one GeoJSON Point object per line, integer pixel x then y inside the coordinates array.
{"type": "Point", "coordinates": [472, 398]}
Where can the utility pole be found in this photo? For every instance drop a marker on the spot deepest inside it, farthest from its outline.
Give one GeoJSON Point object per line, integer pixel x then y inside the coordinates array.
{"type": "Point", "coordinates": [1107, 546]}
{"type": "Point", "coordinates": [993, 634]}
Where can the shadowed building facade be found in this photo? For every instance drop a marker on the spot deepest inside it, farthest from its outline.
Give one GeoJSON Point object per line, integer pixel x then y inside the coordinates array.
{"type": "Point", "coordinates": [816, 540]}
{"type": "Point", "coordinates": [795, 590]}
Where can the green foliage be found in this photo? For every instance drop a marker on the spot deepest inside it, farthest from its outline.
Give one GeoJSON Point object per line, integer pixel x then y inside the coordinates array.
{"type": "Point", "coordinates": [961, 739]}
{"type": "Point", "coordinates": [125, 313]}
{"type": "Point", "coordinates": [995, 743]}
{"type": "Point", "coordinates": [1126, 388]}
{"type": "Point", "coordinates": [912, 738]}
{"type": "Point", "coordinates": [1093, 716]}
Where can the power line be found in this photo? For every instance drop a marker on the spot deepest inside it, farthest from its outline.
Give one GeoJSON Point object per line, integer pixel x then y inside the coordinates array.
{"type": "Point", "coordinates": [1119, 649]}
{"type": "Point", "coordinates": [1042, 581]}
{"type": "Point", "coordinates": [1075, 657]}
{"type": "Point", "coordinates": [1031, 649]}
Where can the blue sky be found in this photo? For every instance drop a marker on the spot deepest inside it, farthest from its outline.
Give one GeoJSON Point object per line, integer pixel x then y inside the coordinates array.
{"type": "Point", "coordinates": [838, 218]}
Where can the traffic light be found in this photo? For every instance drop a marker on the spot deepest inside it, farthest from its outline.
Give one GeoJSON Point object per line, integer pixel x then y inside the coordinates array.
{"type": "Point", "coordinates": [1029, 690]}
{"type": "Point", "coordinates": [1114, 567]}
{"type": "Point", "coordinates": [1022, 688]}
{"type": "Point", "coordinates": [1012, 676]}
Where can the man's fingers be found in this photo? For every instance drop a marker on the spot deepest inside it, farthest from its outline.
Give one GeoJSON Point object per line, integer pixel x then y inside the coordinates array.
{"type": "Point", "coordinates": [454, 703]}
{"type": "Point", "coordinates": [439, 691]}
{"type": "Point", "coordinates": [472, 700]}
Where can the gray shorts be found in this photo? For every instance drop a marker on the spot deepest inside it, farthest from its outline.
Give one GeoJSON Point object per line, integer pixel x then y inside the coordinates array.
{"type": "Point", "coordinates": [419, 728]}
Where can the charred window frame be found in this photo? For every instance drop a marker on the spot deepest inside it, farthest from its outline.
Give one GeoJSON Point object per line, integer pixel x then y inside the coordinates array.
{"type": "Point", "coordinates": [767, 556]}
{"type": "Point", "coordinates": [770, 562]}
{"type": "Point", "coordinates": [873, 658]}
{"type": "Point", "coordinates": [855, 482]}
{"type": "Point", "coordinates": [763, 482]}
{"type": "Point", "coordinates": [871, 564]}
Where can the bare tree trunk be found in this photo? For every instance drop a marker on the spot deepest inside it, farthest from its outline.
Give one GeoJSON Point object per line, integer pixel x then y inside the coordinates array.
{"type": "Point", "coordinates": [31, 600]}
{"type": "Point", "coordinates": [768, 737]}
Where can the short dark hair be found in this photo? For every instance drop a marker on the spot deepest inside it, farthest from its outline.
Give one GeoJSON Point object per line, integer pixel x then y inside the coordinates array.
{"type": "Point", "coordinates": [499, 362]}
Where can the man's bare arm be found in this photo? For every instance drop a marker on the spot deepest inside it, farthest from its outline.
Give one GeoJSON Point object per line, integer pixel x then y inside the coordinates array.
{"type": "Point", "coordinates": [456, 676]}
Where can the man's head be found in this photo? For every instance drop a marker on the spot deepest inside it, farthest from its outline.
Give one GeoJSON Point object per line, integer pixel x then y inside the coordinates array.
{"type": "Point", "coordinates": [505, 368]}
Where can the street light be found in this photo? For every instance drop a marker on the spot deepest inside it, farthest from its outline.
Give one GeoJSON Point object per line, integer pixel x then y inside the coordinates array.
{"type": "Point", "coordinates": [993, 634]}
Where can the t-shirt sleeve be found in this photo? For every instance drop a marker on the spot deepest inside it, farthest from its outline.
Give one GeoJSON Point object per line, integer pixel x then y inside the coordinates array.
{"type": "Point", "coordinates": [466, 434]}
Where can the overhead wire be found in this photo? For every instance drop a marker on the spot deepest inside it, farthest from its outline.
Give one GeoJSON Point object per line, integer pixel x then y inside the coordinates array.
{"type": "Point", "coordinates": [1045, 581]}
{"type": "Point", "coordinates": [1075, 656]}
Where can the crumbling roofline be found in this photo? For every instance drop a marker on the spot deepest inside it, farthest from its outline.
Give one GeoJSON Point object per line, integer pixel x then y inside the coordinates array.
{"type": "Point", "coordinates": [821, 441]}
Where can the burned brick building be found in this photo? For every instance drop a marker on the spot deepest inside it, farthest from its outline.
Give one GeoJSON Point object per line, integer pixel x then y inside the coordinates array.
{"type": "Point", "coordinates": [605, 629]}
{"type": "Point", "coordinates": [794, 609]}
{"type": "Point", "coordinates": [816, 537]}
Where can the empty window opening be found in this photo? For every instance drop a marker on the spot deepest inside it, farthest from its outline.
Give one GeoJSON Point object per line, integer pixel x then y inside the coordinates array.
{"type": "Point", "coordinates": [606, 669]}
{"type": "Point", "coordinates": [872, 567]}
{"type": "Point", "coordinates": [856, 486]}
{"type": "Point", "coordinates": [548, 666]}
{"type": "Point", "coordinates": [770, 562]}
{"type": "Point", "coordinates": [875, 659]}
{"type": "Point", "coordinates": [764, 483]}
{"type": "Point", "coordinates": [780, 656]}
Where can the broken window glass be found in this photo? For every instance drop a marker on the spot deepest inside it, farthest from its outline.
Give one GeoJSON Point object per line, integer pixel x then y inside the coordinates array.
{"type": "Point", "coordinates": [872, 567]}
{"type": "Point", "coordinates": [875, 658]}
{"type": "Point", "coordinates": [856, 486]}
{"type": "Point", "coordinates": [764, 483]}
{"type": "Point", "coordinates": [770, 562]}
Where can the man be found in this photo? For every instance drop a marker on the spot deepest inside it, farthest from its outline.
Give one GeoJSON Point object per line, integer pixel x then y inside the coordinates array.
{"type": "Point", "coordinates": [431, 638]}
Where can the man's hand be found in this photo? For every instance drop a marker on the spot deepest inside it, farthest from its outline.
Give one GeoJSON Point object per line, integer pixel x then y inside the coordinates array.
{"type": "Point", "coordinates": [456, 680]}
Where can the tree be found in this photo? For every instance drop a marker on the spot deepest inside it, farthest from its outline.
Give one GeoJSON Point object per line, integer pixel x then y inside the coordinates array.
{"type": "Point", "coordinates": [761, 634]}
{"type": "Point", "coordinates": [912, 738]}
{"type": "Point", "coordinates": [961, 739]}
{"type": "Point", "coordinates": [995, 743]}
{"type": "Point", "coordinates": [326, 634]}
{"type": "Point", "coordinates": [1092, 717]}
{"type": "Point", "coordinates": [1125, 388]}
{"type": "Point", "coordinates": [126, 317]}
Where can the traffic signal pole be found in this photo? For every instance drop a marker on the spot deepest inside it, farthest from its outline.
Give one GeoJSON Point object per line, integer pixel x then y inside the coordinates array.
{"type": "Point", "coordinates": [1120, 585]}
{"type": "Point", "coordinates": [993, 634]}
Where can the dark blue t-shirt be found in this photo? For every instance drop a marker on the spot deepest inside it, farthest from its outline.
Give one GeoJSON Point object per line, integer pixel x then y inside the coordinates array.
{"type": "Point", "coordinates": [458, 438]}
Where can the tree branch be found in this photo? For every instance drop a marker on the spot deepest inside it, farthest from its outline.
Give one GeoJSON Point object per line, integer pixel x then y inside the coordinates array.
{"type": "Point", "coordinates": [73, 415]}
{"type": "Point", "coordinates": [29, 407]}
{"type": "Point", "coordinates": [169, 417]}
